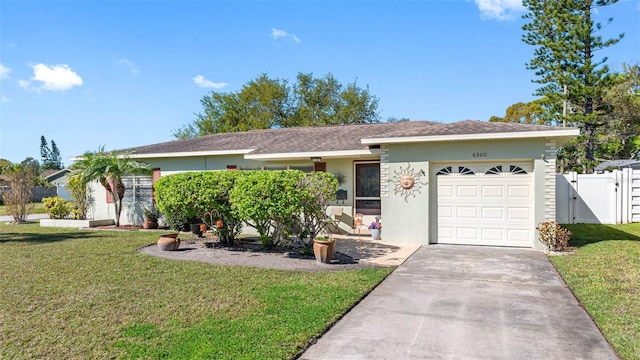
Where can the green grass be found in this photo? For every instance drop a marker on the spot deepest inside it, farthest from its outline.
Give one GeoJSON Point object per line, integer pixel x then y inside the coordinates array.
{"type": "Point", "coordinates": [604, 273]}
{"type": "Point", "coordinates": [90, 294]}
{"type": "Point", "coordinates": [38, 209]}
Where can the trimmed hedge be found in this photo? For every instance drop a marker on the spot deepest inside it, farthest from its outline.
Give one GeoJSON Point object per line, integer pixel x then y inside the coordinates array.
{"type": "Point", "coordinates": [275, 203]}
{"type": "Point", "coordinates": [186, 198]}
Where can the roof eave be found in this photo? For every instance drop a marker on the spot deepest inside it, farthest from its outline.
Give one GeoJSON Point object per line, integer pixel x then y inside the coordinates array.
{"type": "Point", "coordinates": [179, 154]}
{"type": "Point", "coordinates": [562, 135]}
{"type": "Point", "coordinates": [310, 154]}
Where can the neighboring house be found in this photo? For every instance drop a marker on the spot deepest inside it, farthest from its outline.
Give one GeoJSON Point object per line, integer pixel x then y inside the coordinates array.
{"type": "Point", "coordinates": [470, 182]}
{"type": "Point", "coordinates": [617, 164]}
{"type": "Point", "coordinates": [58, 179]}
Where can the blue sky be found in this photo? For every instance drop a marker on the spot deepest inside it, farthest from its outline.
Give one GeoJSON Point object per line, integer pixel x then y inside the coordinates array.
{"type": "Point", "coordinates": [128, 73]}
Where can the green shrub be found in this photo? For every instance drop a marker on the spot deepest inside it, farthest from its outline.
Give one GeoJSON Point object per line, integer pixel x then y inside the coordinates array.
{"type": "Point", "coordinates": [269, 201]}
{"type": "Point", "coordinates": [187, 198]}
{"type": "Point", "coordinates": [57, 207]}
{"type": "Point", "coordinates": [317, 190]}
{"type": "Point", "coordinates": [80, 192]}
{"type": "Point", "coordinates": [180, 221]}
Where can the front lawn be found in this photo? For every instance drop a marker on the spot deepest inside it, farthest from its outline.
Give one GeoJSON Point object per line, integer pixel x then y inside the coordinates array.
{"type": "Point", "coordinates": [90, 294]}
{"type": "Point", "coordinates": [37, 209]}
{"type": "Point", "coordinates": [604, 273]}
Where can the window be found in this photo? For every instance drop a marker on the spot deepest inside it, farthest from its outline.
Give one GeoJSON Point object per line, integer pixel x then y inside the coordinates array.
{"type": "Point", "coordinates": [516, 170]}
{"type": "Point", "coordinates": [464, 170]}
{"type": "Point", "coordinates": [444, 171]}
{"type": "Point", "coordinates": [137, 189]}
{"type": "Point", "coordinates": [304, 168]}
{"type": "Point", "coordinates": [496, 170]}
{"type": "Point", "coordinates": [367, 199]}
{"type": "Point", "coordinates": [275, 167]}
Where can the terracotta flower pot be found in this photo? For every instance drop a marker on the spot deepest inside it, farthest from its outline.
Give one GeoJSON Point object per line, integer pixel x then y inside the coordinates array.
{"type": "Point", "coordinates": [169, 242]}
{"type": "Point", "coordinates": [150, 224]}
{"type": "Point", "coordinates": [324, 250]}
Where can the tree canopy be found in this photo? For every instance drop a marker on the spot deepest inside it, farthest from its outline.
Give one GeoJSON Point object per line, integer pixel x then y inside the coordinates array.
{"type": "Point", "coordinates": [267, 103]}
{"type": "Point", "coordinates": [109, 168]}
{"type": "Point", "coordinates": [566, 39]}
{"type": "Point", "coordinates": [524, 113]}
{"type": "Point", "coordinates": [50, 156]}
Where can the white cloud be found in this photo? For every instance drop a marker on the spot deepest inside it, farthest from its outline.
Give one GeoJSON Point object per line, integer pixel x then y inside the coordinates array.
{"type": "Point", "coordinates": [203, 82]}
{"type": "Point", "coordinates": [279, 33]}
{"type": "Point", "coordinates": [499, 9]}
{"type": "Point", "coordinates": [4, 99]}
{"type": "Point", "coordinates": [53, 78]}
{"type": "Point", "coordinates": [4, 71]}
{"type": "Point", "coordinates": [23, 84]}
{"type": "Point", "coordinates": [129, 65]}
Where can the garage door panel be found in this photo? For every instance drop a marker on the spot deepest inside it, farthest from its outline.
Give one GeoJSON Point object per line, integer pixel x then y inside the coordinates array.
{"type": "Point", "coordinates": [445, 191]}
{"type": "Point", "coordinates": [519, 191]}
{"type": "Point", "coordinates": [467, 191]}
{"type": "Point", "coordinates": [467, 212]}
{"type": "Point", "coordinates": [492, 213]}
{"type": "Point", "coordinates": [492, 234]}
{"type": "Point", "coordinates": [518, 213]}
{"type": "Point", "coordinates": [445, 232]}
{"type": "Point", "coordinates": [445, 212]}
{"type": "Point", "coordinates": [467, 233]}
{"type": "Point", "coordinates": [484, 209]}
{"type": "Point", "coordinates": [493, 191]}
{"type": "Point", "coordinates": [519, 235]}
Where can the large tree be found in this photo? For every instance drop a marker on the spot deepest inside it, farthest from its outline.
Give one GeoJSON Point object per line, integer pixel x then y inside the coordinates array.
{"type": "Point", "coordinates": [266, 103]}
{"type": "Point", "coordinates": [18, 198]}
{"type": "Point", "coordinates": [109, 168]}
{"type": "Point", "coordinates": [566, 39]}
{"type": "Point", "coordinates": [51, 159]}
{"type": "Point", "coordinates": [524, 113]}
{"type": "Point", "coordinates": [622, 100]}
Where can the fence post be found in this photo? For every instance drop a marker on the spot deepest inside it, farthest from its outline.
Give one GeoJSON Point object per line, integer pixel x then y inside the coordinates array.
{"type": "Point", "coordinates": [619, 176]}
{"type": "Point", "coordinates": [573, 195]}
{"type": "Point", "coordinates": [625, 190]}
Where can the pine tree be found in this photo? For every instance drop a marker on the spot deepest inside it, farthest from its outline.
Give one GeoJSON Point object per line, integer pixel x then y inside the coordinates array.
{"type": "Point", "coordinates": [45, 153]}
{"type": "Point", "coordinates": [565, 36]}
{"type": "Point", "coordinates": [56, 159]}
{"type": "Point", "coordinates": [51, 159]}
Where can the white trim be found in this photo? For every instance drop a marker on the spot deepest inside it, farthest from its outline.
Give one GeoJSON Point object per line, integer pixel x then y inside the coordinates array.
{"type": "Point", "coordinates": [307, 155]}
{"type": "Point", "coordinates": [480, 136]}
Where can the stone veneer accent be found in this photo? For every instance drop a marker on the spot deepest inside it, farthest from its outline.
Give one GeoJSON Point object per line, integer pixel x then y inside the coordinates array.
{"type": "Point", "coordinates": [550, 181]}
{"type": "Point", "coordinates": [384, 171]}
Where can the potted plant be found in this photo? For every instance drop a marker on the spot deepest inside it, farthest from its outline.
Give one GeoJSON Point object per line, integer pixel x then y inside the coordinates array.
{"type": "Point", "coordinates": [376, 229]}
{"type": "Point", "coordinates": [324, 248]}
{"type": "Point", "coordinates": [151, 216]}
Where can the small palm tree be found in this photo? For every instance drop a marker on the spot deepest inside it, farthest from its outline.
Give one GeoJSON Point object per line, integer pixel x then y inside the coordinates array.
{"type": "Point", "coordinates": [109, 168]}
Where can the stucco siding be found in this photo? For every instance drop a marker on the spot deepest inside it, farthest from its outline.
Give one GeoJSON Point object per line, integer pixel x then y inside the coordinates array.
{"type": "Point", "coordinates": [408, 220]}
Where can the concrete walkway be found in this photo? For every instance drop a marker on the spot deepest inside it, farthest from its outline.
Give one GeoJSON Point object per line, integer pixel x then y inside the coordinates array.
{"type": "Point", "coordinates": [8, 218]}
{"type": "Point", "coordinates": [464, 302]}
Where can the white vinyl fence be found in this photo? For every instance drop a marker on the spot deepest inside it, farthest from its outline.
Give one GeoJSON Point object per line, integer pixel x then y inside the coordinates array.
{"type": "Point", "coordinates": [608, 198]}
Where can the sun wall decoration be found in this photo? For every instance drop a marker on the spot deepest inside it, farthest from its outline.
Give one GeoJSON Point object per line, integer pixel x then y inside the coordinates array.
{"type": "Point", "coordinates": [407, 182]}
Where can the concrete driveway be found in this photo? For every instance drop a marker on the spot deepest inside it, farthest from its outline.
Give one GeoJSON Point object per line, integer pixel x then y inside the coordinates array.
{"type": "Point", "coordinates": [467, 302]}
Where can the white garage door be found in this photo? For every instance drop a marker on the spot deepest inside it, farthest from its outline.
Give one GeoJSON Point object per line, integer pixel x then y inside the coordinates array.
{"type": "Point", "coordinates": [485, 204]}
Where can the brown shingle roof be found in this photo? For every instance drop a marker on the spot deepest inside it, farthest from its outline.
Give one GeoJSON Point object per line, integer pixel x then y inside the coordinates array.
{"type": "Point", "coordinates": [327, 138]}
